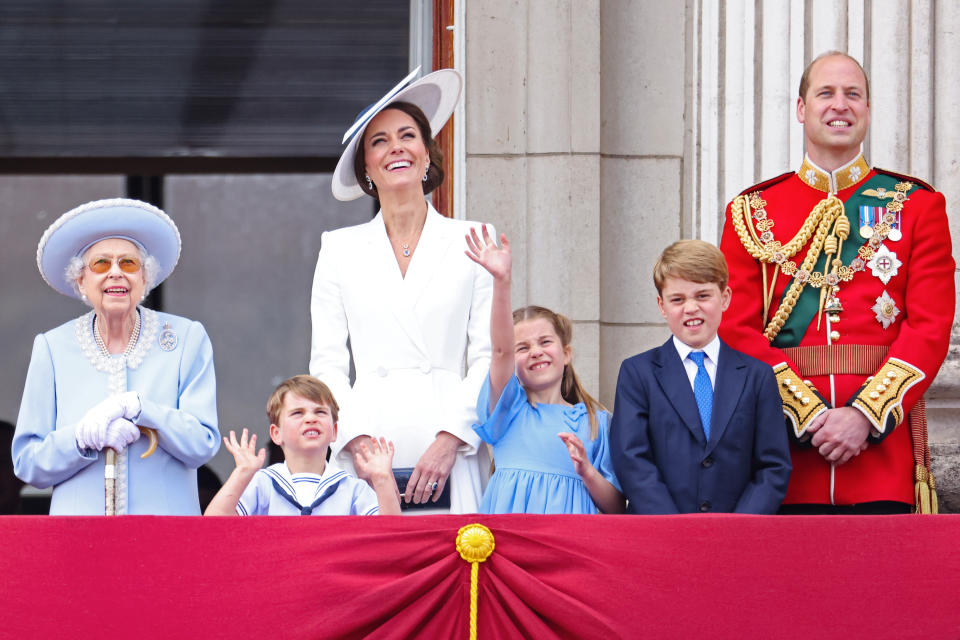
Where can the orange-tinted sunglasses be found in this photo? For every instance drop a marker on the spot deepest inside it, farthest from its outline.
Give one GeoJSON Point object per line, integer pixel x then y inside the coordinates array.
{"type": "Point", "coordinates": [127, 264]}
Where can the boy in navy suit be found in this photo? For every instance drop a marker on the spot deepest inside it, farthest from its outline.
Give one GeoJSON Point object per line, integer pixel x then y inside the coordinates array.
{"type": "Point", "coordinates": [698, 426]}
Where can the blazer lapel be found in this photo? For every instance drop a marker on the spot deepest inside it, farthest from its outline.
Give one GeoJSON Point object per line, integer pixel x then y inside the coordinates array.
{"type": "Point", "coordinates": [731, 378]}
{"type": "Point", "coordinates": [673, 381]}
{"type": "Point", "coordinates": [390, 284]}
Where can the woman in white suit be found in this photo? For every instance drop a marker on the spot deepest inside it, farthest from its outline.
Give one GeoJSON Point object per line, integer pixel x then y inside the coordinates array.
{"type": "Point", "coordinates": [416, 310]}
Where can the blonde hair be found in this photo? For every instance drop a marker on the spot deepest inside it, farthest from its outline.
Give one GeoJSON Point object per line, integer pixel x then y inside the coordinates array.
{"type": "Point", "coordinates": [570, 388]}
{"type": "Point", "coordinates": [691, 260]}
{"type": "Point", "coordinates": [306, 387]}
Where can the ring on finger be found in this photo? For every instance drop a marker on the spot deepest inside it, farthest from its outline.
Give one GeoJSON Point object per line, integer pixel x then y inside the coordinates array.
{"type": "Point", "coordinates": [433, 486]}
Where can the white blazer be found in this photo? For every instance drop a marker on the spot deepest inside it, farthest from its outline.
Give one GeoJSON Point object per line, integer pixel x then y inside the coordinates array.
{"type": "Point", "coordinates": [420, 343]}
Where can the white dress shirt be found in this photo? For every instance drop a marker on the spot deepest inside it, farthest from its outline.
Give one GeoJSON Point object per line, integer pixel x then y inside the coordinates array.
{"type": "Point", "coordinates": [712, 352]}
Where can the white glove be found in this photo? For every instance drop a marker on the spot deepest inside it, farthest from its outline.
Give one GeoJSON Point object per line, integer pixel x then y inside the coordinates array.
{"type": "Point", "coordinates": [120, 433]}
{"type": "Point", "coordinates": [91, 431]}
{"type": "Point", "coordinates": [130, 401]}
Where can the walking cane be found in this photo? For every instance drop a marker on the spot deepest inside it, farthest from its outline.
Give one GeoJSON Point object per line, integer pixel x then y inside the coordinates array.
{"type": "Point", "coordinates": [110, 470]}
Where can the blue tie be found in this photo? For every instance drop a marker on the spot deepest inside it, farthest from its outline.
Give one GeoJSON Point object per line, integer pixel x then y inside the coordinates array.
{"type": "Point", "coordinates": [703, 391]}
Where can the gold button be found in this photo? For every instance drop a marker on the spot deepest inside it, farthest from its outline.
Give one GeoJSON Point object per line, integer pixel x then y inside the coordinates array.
{"type": "Point", "coordinates": [891, 374]}
{"type": "Point", "coordinates": [834, 335]}
{"type": "Point", "coordinates": [804, 400]}
{"type": "Point", "coordinates": [786, 382]}
{"type": "Point", "coordinates": [798, 395]}
{"type": "Point", "coordinates": [881, 388]}
{"type": "Point", "coordinates": [874, 395]}
{"type": "Point", "coordinates": [793, 388]}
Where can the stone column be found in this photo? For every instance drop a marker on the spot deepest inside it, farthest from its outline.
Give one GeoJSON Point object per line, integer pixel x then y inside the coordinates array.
{"type": "Point", "coordinates": [533, 159]}
{"type": "Point", "coordinates": [642, 106]}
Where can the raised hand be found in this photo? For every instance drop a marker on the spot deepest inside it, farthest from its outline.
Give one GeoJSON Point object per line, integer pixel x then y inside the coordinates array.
{"type": "Point", "coordinates": [374, 458]}
{"type": "Point", "coordinates": [244, 451]}
{"type": "Point", "coordinates": [578, 453]}
{"type": "Point", "coordinates": [485, 252]}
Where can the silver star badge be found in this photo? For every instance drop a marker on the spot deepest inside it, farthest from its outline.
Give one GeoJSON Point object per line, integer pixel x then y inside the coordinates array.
{"type": "Point", "coordinates": [884, 264]}
{"type": "Point", "coordinates": [886, 310]}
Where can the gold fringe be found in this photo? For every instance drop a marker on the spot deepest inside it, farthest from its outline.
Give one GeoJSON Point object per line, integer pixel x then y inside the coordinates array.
{"type": "Point", "coordinates": [925, 491]}
{"type": "Point", "coordinates": [934, 502]}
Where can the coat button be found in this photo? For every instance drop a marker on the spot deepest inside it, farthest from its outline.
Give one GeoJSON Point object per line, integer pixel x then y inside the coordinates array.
{"type": "Point", "coordinates": [705, 506]}
{"type": "Point", "coordinates": [382, 372]}
{"type": "Point", "coordinates": [424, 367]}
{"type": "Point", "coordinates": [707, 462]}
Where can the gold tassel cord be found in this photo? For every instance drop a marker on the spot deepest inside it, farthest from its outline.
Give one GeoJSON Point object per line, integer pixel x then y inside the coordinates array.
{"type": "Point", "coordinates": [921, 490]}
{"type": "Point", "coordinates": [925, 487]}
{"type": "Point", "coordinates": [817, 226]}
{"type": "Point", "coordinates": [475, 543]}
{"type": "Point", "coordinates": [827, 212]}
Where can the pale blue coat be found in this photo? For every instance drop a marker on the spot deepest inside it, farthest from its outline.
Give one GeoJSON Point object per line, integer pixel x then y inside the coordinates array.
{"type": "Point", "coordinates": [177, 390]}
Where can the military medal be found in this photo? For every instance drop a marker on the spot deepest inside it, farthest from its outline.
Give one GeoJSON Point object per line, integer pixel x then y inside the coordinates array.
{"type": "Point", "coordinates": [886, 310]}
{"type": "Point", "coordinates": [893, 219]}
{"type": "Point", "coordinates": [884, 264]}
{"type": "Point", "coordinates": [869, 218]}
{"type": "Point", "coordinates": [168, 338]}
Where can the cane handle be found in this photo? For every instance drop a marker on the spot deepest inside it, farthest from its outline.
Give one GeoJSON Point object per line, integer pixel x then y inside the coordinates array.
{"type": "Point", "coordinates": [152, 436]}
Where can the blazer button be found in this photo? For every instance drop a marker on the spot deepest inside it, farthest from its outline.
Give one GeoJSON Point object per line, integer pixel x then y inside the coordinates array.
{"type": "Point", "coordinates": [424, 367]}
{"type": "Point", "coordinates": [705, 506]}
{"type": "Point", "coordinates": [382, 372]}
{"type": "Point", "coordinates": [707, 462]}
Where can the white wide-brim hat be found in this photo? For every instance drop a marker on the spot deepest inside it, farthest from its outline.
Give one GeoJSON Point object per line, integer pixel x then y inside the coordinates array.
{"type": "Point", "coordinates": [436, 94]}
{"type": "Point", "coordinates": [78, 229]}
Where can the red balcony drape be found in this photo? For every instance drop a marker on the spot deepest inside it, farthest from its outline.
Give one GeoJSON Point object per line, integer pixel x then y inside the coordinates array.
{"type": "Point", "coordinates": [549, 577]}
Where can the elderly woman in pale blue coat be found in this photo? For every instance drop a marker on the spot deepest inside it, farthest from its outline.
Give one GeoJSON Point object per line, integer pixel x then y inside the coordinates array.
{"type": "Point", "coordinates": [96, 380]}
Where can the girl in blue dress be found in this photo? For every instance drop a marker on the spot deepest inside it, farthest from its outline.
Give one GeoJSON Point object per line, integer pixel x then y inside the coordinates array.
{"type": "Point", "coordinates": [550, 438]}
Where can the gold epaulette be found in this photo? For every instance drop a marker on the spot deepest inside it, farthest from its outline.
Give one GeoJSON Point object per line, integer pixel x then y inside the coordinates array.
{"type": "Point", "coordinates": [801, 402]}
{"type": "Point", "coordinates": [881, 398]}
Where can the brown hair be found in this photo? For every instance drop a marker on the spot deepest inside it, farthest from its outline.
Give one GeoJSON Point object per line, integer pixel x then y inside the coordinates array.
{"type": "Point", "coordinates": [306, 387]}
{"type": "Point", "coordinates": [570, 387]}
{"type": "Point", "coordinates": [691, 260]}
{"type": "Point", "coordinates": [805, 78]}
{"type": "Point", "coordinates": [434, 172]}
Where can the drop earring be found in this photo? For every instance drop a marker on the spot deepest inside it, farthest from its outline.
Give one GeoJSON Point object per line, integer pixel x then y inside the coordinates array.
{"type": "Point", "coordinates": [370, 183]}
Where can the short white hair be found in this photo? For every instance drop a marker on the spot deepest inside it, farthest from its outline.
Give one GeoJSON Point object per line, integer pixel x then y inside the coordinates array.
{"type": "Point", "coordinates": [74, 270]}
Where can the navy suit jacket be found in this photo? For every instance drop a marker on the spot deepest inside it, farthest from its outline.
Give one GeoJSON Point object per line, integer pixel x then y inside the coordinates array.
{"type": "Point", "coordinates": [660, 455]}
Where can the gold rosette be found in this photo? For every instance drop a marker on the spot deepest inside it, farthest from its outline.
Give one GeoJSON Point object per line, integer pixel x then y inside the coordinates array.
{"type": "Point", "coordinates": [474, 544]}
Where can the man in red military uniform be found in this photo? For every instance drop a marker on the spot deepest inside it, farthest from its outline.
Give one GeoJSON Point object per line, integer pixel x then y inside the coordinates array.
{"type": "Point", "coordinates": [842, 280]}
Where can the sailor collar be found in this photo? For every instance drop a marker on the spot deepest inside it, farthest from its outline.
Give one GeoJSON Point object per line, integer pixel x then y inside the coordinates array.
{"type": "Point", "coordinates": [837, 180]}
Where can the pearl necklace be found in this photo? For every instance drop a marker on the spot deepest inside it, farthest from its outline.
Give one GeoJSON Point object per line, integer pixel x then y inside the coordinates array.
{"type": "Point", "coordinates": [131, 344]}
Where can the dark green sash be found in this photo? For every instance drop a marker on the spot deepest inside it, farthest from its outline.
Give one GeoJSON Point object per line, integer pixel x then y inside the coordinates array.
{"type": "Point", "coordinates": [808, 303]}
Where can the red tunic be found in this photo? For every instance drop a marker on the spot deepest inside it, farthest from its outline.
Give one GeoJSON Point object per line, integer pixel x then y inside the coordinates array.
{"type": "Point", "coordinates": [922, 290]}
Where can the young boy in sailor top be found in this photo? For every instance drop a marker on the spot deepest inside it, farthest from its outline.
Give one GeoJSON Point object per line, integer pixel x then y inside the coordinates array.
{"type": "Point", "coordinates": [303, 423]}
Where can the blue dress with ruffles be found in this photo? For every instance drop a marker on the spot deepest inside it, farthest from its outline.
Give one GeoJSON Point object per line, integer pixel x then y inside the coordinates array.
{"type": "Point", "coordinates": [534, 473]}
